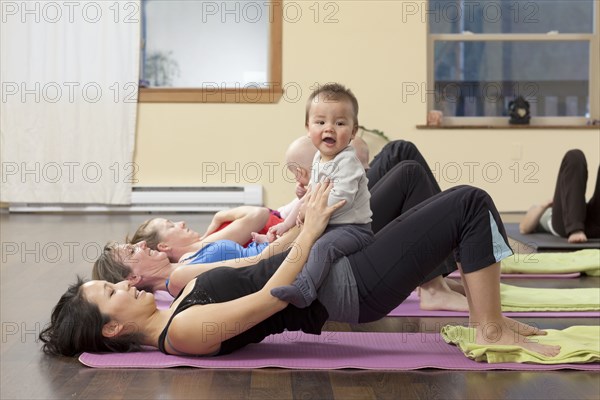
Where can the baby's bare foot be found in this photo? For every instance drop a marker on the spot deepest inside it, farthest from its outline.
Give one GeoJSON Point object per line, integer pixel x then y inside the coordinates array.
{"type": "Point", "coordinates": [258, 238]}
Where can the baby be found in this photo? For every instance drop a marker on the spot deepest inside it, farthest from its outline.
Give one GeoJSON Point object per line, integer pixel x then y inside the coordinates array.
{"type": "Point", "coordinates": [332, 122]}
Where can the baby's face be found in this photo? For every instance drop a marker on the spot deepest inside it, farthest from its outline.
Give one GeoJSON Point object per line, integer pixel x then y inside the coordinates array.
{"type": "Point", "coordinates": [330, 126]}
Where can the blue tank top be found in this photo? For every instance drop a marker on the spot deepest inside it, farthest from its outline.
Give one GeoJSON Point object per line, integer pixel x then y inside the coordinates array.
{"type": "Point", "coordinates": [222, 250]}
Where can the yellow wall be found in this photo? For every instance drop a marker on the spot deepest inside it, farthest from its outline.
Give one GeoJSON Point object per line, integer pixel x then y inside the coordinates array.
{"type": "Point", "coordinates": [373, 51]}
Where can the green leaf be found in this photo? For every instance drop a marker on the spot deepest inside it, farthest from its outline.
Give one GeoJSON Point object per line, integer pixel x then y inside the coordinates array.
{"type": "Point", "coordinates": [375, 132]}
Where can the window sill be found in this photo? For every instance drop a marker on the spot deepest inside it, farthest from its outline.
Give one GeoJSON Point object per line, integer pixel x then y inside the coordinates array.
{"type": "Point", "coordinates": [547, 127]}
{"type": "Point", "coordinates": [172, 95]}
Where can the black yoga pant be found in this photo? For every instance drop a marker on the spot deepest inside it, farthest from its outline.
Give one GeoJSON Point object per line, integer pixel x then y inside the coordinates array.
{"type": "Point", "coordinates": [391, 155]}
{"type": "Point", "coordinates": [570, 213]}
{"type": "Point", "coordinates": [463, 219]}
{"type": "Point", "coordinates": [403, 187]}
{"type": "Point", "coordinates": [336, 242]}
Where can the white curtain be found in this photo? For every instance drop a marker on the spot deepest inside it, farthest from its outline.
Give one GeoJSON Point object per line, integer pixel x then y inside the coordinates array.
{"type": "Point", "coordinates": [69, 76]}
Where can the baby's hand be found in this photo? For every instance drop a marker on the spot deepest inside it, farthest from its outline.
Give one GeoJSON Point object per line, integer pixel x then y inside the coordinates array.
{"type": "Point", "coordinates": [276, 231]}
{"type": "Point", "coordinates": [300, 190]}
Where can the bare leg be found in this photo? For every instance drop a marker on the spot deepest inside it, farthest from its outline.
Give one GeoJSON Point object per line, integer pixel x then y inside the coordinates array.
{"type": "Point", "coordinates": [455, 285]}
{"type": "Point", "coordinates": [437, 295]}
{"type": "Point", "coordinates": [491, 327]}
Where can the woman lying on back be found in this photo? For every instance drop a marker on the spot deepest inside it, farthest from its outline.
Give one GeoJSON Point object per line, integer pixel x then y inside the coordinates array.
{"type": "Point", "coordinates": [227, 308]}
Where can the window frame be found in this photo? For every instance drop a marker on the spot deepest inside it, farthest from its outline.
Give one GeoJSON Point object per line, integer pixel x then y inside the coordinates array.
{"type": "Point", "coordinates": [271, 94]}
{"type": "Point", "coordinates": [593, 83]}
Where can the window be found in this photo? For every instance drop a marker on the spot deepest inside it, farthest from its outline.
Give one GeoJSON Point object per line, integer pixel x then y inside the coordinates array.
{"type": "Point", "coordinates": [207, 51]}
{"type": "Point", "coordinates": [483, 54]}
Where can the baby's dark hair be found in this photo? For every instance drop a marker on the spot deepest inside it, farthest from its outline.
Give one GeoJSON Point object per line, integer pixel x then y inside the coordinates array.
{"type": "Point", "coordinates": [76, 327]}
{"type": "Point", "coordinates": [335, 92]}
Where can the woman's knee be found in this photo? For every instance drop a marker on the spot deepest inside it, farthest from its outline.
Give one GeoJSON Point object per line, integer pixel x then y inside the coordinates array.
{"type": "Point", "coordinates": [471, 194]}
{"type": "Point", "coordinates": [410, 170]}
{"type": "Point", "coordinates": [398, 147]}
{"type": "Point", "coordinates": [575, 158]}
{"type": "Point", "coordinates": [406, 145]}
{"type": "Point", "coordinates": [258, 213]}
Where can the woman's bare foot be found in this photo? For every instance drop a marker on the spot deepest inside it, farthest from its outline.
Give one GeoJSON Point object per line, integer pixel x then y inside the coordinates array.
{"type": "Point", "coordinates": [258, 238]}
{"type": "Point", "coordinates": [455, 285]}
{"type": "Point", "coordinates": [492, 334]}
{"type": "Point", "coordinates": [577, 237]}
{"type": "Point", "coordinates": [522, 328]}
{"type": "Point", "coordinates": [436, 295]}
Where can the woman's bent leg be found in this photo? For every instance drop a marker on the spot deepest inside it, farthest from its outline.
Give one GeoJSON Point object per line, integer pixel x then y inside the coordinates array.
{"type": "Point", "coordinates": [402, 188]}
{"type": "Point", "coordinates": [410, 247]}
{"type": "Point", "coordinates": [485, 316]}
{"type": "Point", "coordinates": [592, 217]}
{"type": "Point", "coordinates": [415, 242]}
{"type": "Point", "coordinates": [392, 154]}
{"type": "Point", "coordinates": [569, 207]}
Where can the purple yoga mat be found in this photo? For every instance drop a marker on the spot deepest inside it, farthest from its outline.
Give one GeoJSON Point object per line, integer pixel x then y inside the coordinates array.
{"type": "Point", "coordinates": [456, 274]}
{"type": "Point", "coordinates": [163, 299]}
{"type": "Point", "coordinates": [331, 350]}
{"type": "Point", "coordinates": [410, 308]}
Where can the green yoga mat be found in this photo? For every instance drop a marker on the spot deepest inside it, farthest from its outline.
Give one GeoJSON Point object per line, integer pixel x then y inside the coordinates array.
{"type": "Point", "coordinates": [514, 298]}
{"type": "Point", "coordinates": [586, 261]}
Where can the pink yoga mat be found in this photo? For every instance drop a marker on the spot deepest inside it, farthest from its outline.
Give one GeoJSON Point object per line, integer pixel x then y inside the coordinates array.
{"type": "Point", "coordinates": [331, 350]}
{"type": "Point", "coordinates": [410, 308]}
{"type": "Point", "coordinates": [456, 275]}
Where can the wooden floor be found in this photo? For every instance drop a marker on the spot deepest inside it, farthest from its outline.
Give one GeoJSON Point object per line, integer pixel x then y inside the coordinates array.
{"type": "Point", "coordinates": [42, 253]}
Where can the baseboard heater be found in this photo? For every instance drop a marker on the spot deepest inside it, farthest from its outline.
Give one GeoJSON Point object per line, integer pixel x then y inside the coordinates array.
{"type": "Point", "coordinates": [164, 199]}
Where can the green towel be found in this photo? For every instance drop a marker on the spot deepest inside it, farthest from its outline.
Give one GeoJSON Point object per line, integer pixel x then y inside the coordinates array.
{"type": "Point", "coordinates": [514, 298]}
{"type": "Point", "coordinates": [579, 344]}
{"type": "Point", "coordinates": [587, 261]}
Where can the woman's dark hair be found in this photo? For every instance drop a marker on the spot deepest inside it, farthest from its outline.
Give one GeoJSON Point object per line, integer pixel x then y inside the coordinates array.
{"type": "Point", "coordinates": [76, 327]}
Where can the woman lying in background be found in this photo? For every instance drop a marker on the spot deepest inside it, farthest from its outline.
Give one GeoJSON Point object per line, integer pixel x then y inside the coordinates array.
{"type": "Point", "coordinates": [567, 214]}
{"type": "Point", "coordinates": [182, 244]}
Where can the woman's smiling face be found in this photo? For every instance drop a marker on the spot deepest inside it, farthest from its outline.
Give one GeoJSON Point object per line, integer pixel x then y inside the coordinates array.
{"type": "Point", "coordinates": [121, 301]}
{"type": "Point", "coordinates": [140, 258]}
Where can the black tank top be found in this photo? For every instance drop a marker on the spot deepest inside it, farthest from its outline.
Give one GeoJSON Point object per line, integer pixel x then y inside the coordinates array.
{"type": "Point", "coordinates": [224, 284]}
